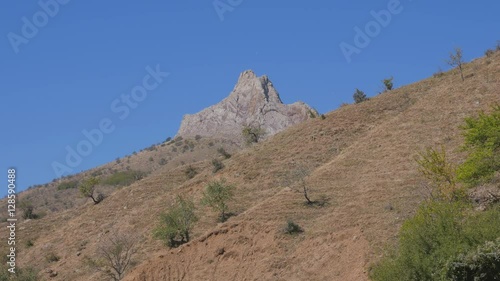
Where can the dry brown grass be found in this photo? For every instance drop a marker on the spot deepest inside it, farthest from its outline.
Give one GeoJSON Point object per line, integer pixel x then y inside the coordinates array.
{"type": "Point", "coordinates": [362, 159]}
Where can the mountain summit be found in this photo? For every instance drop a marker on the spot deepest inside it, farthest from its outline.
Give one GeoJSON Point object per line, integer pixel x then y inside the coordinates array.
{"type": "Point", "coordinates": [253, 102]}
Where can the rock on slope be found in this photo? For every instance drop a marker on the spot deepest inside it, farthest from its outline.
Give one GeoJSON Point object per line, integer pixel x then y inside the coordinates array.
{"type": "Point", "coordinates": [253, 102]}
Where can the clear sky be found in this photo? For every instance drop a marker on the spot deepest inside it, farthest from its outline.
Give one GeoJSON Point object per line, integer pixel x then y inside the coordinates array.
{"type": "Point", "coordinates": [65, 64]}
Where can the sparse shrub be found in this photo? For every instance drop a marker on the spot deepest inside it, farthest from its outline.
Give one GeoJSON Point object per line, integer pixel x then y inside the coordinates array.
{"type": "Point", "coordinates": [359, 96]}
{"type": "Point", "coordinates": [87, 189]}
{"type": "Point", "coordinates": [292, 228]}
{"type": "Point", "coordinates": [323, 117]}
{"type": "Point", "coordinates": [21, 274]}
{"type": "Point", "coordinates": [163, 161]}
{"type": "Point", "coordinates": [29, 244]}
{"type": "Point", "coordinates": [151, 159]}
{"type": "Point", "coordinates": [28, 210]}
{"type": "Point", "coordinates": [168, 139]}
{"type": "Point", "coordinates": [118, 161]}
{"type": "Point", "coordinates": [217, 165]}
{"type": "Point", "coordinates": [124, 178]}
{"type": "Point", "coordinates": [177, 223]}
{"type": "Point", "coordinates": [197, 137]}
{"type": "Point", "coordinates": [210, 144]}
{"type": "Point", "coordinates": [224, 153]}
{"type": "Point", "coordinates": [216, 196]}
{"type": "Point", "coordinates": [68, 185]}
{"type": "Point", "coordinates": [52, 257]}
{"type": "Point", "coordinates": [489, 53]}
{"type": "Point", "coordinates": [114, 256]}
{"type": "Point", "coordinates": [312, 113]}
{"type": "Point", "coordinates": [456, 59]}
{"type": "Point", "coordinates": [252, 134]}
{"type": "Point", "coordinates": [388, 84]}
{"type": "Point", "coordinates": [438, 73]}
{"type": "Point", "coordinates": [174, 149]}
{"type": "Point", "coordinates": [481, 264]}
{"type": "Point", "coordinates": [190, 172]}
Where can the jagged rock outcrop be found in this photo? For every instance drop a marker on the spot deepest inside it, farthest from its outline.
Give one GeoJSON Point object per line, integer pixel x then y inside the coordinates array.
{"type": "Point", "coordinates": [253, 102]}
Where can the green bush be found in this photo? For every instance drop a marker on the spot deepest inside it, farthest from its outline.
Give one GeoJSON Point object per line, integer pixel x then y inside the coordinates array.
{"type": "Point", "coordinates": [438, 233]}
{"type": "Point", "coordinates": [177, 223]}
{"type": "Point", "coordinates": [124, 178]}
{"type": "Point", "coordinates": [67, 185]}
{"type": "Point", "coordinates": [482, 141]}
{"type": "Point", "coordinates": [216, 196]}
{"type": "Point", "coordinates": [292, 228]}
{"type": "Point", "coordinates": [359, 96]}
{"type": "Point", "coordinates": [481, 264]}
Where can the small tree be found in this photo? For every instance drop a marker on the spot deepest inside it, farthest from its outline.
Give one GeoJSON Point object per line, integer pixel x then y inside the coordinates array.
{"type": "Point", "coordinates": [216, 196]}
{"type": "Point", "coordinates": [87, 189]}
{"type": "Point", "coordinates": [388, 84]}
{"type": "Point", "coordinates": [252, 134]}
{"type": "Point", "coordinates": [177, 223]}
{"type": "Point", "coordinates": [434, 165]}
{"type": "Point", "coordinates": [297, 177]}
{"type": "Point", "coordinates": [114, 256]}
{"type": "Point", "coordinates": [359, 96]}
{"type": "Point", "coordinates": [456, 59]}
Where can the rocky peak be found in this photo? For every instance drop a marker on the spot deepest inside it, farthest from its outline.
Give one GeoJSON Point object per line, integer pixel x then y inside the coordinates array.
{"type": "Point", "coordinates": [253, 102]}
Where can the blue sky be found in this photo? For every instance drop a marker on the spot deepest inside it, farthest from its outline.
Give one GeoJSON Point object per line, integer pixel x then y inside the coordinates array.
{"type": "Point", "coordinates": [86, 54]}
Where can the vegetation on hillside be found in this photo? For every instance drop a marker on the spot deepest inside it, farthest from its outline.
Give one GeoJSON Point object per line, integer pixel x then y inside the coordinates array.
{"type": "Point", "coordinates": [447, 239]}
{"type": "Point", "coordinates": [176, 223]}
{"type": "Point", "coordinates": [216, 196]}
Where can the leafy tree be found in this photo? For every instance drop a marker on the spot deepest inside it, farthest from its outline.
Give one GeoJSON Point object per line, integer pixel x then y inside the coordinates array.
{"type": "Point", "coordinates": [482, 141]}
{"type": "Point", "coordinates": [388, 83]}
{"type": "Point", "coordinates": [216, 196]}
{"type": "Point", "coordinates": [456, 59]}
{"type": "Point", "coordinates": [87, 189]}
{"type": "Point", "coordinates": [359, 96]}
{"type": "Point", "coordinates": [177, 223]}
{"type": "Point", "coordinates": [252, 134]}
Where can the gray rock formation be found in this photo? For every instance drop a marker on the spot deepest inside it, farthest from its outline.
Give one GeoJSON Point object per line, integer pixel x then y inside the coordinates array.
{"type": "Point", "coordinates": [253, 102]}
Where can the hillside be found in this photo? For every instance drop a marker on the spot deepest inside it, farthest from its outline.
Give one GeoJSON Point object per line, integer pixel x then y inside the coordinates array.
{"type": "Point", "coordinates": [362, 166]}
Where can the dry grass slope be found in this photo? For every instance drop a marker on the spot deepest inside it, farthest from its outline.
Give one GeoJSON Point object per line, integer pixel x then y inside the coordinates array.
{"type": "Point", "coordinates": [362, 161]}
